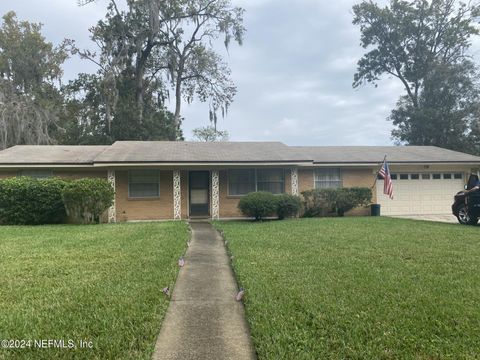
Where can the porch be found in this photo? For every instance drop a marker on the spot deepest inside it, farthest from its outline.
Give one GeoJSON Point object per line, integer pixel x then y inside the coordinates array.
{"type": "Point", "coordinates": [189, 193]}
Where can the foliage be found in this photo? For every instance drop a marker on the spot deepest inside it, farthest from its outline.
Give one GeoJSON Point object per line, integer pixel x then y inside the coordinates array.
{"type": "Point", "coordinates": [318, 202]}
{"type": "Point", "coordinates": [26, 200]}
{"type": "Point", "coordinates": [369, 287]}
{"type": "Point", "coordinates": [209, 133]}
{"type": "Point", "coordinates": [30, 67]}
{"type": "Point", "coordinates": [258, 204]}
{"type": "Point", "coordinates": [350, 198]}
{"type": "Point", "coordinates": [287, 205]}
{"type": "Point", "coordinates": [448, 110]}
{"type": "Point", "coordinates": [86, 120]}
{"type": "Point", "coordinates": [165, 46]}
{"type": "Point", "coordinates": [423, 44]}
{"type": "Point", "coordinates": [87, 199]}
{"type": "Point", "coordinates": [78, 280]}
{"type": "Point", "coordinates": [325, 202]}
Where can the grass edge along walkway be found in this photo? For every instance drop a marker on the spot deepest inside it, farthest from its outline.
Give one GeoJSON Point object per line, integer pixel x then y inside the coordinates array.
{"type": "Point", "coordinates": [99, 283]}
{"type": "Point", "coordinates": [376, 288]}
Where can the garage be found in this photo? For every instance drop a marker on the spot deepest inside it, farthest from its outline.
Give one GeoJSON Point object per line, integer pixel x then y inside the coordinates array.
{"type": "Point", "coordinates": [420, 193]}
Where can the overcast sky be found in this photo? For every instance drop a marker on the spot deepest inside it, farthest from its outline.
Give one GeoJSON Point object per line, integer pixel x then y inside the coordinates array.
{"type": "Point", "coordinates": [293, 73]}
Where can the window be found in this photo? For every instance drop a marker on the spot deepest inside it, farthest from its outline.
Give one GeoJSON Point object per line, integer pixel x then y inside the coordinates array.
{"type": "Point", "coordinates": [426, 176]}
{"type": "Point", "coordinates": [143, 183]}
{"type": "Point", "coordinates": [241, 182]}
{"type": "Point", "coordinates": [457, 176]}
{"type": "Point", "coordinates": [271, 180]}
{"type": "Point", "coordinates": [436, 176]}
{"type": "Point", "coordinates": [403, 176]}
{"type": "Point", "coordinates": [394, 176]}
{"type": "Point", "coordinates": [37, 173]}
{"type": "Point", "coordinates": [414, 176]}
{"type": "Point", "coordinates": [328, 178]}
{"type": "Point", "coordinates": [447, 176]}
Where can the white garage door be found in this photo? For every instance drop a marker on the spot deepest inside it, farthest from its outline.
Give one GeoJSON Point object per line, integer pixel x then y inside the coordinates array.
{"type": "Point", "coordinates": [420, 193]}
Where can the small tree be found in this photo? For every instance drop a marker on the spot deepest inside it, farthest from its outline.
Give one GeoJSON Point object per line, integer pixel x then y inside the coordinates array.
{"type": "Point", "coordinates": [87, 199]}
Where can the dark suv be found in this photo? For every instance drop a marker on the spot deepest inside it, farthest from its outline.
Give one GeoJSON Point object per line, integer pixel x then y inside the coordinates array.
{"type": "Point", "coordinates": [467, 204]}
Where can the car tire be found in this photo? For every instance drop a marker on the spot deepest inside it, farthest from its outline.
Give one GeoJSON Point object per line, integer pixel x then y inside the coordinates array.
{"type": "Point", "coordinates": [464, 217]}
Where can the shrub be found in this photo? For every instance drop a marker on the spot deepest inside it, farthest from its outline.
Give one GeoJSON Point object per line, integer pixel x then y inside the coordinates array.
{"type": "Point", "coordinates": [287, 205]}
{"type": "Point", "coordinates": [29, 201]}
{"type": "Point", "coordinates": [350, 198]}
{"type": "Point", "coordinates": [258, 204]}
{"type": "Point", "coordinates": [319, 202]}
{"type": "Point", "coordinates": [324, 202]}
{"type": "Point", "coordinates": [87, 199]}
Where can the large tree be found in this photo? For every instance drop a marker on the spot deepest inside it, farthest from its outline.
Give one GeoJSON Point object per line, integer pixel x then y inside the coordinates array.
{"type": "Point", "coordinates": [423, 44]}
{"type": "Point", "coordinates": [167, 45]}
{"type": "Point", "coordinates": [30, 74]}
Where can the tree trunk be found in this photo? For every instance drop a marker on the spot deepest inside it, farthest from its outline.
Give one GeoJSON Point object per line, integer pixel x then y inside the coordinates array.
{"type": "Point", "coordinates": [178, 94]}
{"type": "Point", "coordinates": [178, 102]}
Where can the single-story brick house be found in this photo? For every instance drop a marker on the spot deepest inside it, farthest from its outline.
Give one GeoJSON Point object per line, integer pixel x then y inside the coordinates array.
{"type": "Point", "coordinates": [156, 180]}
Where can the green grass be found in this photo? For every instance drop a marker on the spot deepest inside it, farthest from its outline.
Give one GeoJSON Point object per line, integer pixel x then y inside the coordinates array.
{"type": "Point", "coordinates": [359, 288]}
{"type": "Point", "coordinates": [99, 283]}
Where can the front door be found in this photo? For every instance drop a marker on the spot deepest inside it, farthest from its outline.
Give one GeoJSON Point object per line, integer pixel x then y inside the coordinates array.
{"type": "Point", "coordinates": [199, 185]}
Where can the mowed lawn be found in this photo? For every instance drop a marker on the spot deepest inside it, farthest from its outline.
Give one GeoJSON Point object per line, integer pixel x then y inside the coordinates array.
{"type": "Point", "coordinates": [359, 288]}
{"type": "Point", "coordinates": [99, 283]}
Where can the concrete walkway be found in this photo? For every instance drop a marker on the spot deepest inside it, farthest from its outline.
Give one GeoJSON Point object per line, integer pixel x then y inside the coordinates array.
{"type": "Point", "coordinates": [203, 320]}
{"type": "Point", "coordinates": [447, 218]}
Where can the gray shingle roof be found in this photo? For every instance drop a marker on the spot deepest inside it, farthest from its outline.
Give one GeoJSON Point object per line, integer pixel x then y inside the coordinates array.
{"type": "Point", "coordinates": [207, 152]}
{"type": "Point", "coordinates": [51, 154]}
{"type": "Point", "coordinates": [375, 154]}
{"type": "Point", "coordinates": [225, 152]}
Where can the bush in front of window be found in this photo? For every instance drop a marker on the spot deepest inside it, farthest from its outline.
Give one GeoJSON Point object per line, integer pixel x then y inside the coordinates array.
{"type": "Point", "coordinates": [87, 199]}
{"type": "Point", "coordinates": [30, 201]}
{"type": "Point", "coordinates": [258, 205]}
{"type": "Point", "coordinates": [330, 202]}
{"type": "Point", "coordinates": [350, 198]}
{"type": "Point", "coordinates": [287, 205]}
{"type": "Point", "coordinates": [319, 202]}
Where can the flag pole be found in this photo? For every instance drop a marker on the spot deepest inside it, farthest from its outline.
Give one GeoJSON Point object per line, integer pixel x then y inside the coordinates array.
{"type": "Point", "coordinates": [376, 175]}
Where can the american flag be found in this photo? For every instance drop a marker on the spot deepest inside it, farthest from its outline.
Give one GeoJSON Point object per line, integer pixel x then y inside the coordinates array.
{"type": "Point", "coordinates": [384, 172]}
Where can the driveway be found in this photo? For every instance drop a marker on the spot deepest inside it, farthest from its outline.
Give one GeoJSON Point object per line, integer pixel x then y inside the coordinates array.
{"type": "Point", "coordinates": [446, 218]}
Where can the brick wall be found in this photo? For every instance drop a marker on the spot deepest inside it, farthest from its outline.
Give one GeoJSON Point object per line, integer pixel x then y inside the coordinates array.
{"type": "Point", "coordinates": [351, 178]}
{"type": "Point", "coordinates": [144, 209]}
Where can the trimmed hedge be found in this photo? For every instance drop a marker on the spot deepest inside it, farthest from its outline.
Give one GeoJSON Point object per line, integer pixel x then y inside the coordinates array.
{"type": "Point", "coordinates": [287, 205]}
{"type": "Point", "coordinates": [258, 205]}
{"type": "Point", "coordinates": [29, 201]}
{"type": "Point", "coordinates": [87, 199]}
{"type": "Point", "coordinates": [262, 204]}
{"type": "Point", "coordinates": [328, 202]}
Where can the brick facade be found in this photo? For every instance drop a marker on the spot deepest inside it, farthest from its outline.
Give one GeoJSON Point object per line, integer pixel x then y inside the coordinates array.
{"type": "Point", "coordinates": [161, 208]}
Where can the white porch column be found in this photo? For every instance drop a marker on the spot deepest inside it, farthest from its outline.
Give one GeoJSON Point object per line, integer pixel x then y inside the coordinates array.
{"type": "Point", "coordinates": [294, 179]}
{"type": "Point", "coordinates": [215, 195]}
{"type": "Point", "coordinates": [177, 197]}
{"type": "Point", "coordinates": [112, 211]}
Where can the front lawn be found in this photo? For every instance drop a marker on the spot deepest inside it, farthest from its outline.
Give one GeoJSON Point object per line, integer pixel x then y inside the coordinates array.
{"type": "Point", "coordinates": [359, 288]}
{"type": "Point", "coordinates": [99, 283]}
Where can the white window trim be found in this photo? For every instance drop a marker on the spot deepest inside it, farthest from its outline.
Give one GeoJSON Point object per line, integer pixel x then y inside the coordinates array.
{"type": "Point", "coordinates": [143, 197]}
{"type": "Point", "coordinates": [256, 181]}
